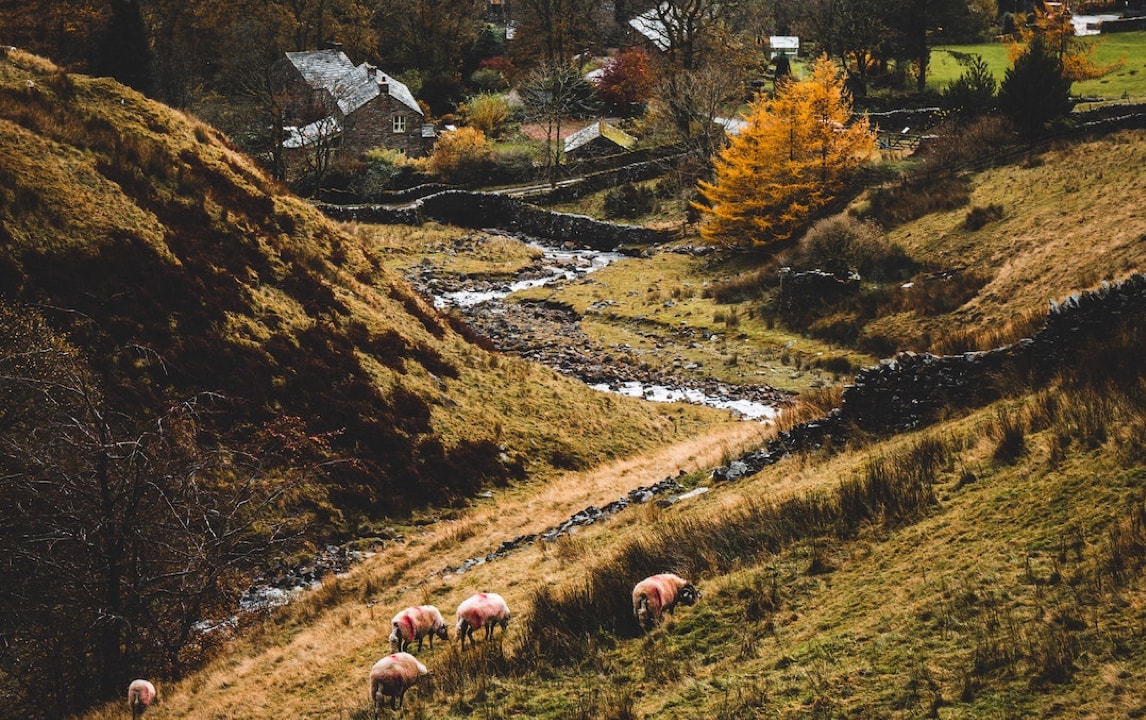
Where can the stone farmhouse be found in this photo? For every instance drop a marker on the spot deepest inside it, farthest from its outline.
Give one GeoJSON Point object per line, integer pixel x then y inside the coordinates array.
{"type": "Point", "coordinates": [329, 100]}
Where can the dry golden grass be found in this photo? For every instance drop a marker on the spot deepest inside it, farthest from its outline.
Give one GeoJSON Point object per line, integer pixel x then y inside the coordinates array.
{"type": "Point", "coordinates": [1071, 219]}
{"type": "Point", "coordinates": [448, 250]}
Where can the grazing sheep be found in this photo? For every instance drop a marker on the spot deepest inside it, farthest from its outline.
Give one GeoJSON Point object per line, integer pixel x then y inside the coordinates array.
{"type": "Point", "coordinates": [140, 696]}
{"type": "Point", "coordinates": [415, 623]}
{"type": "Point", "coordinates": [391, 677]}
{"type": "Point", "coordinates": [481, 610]}
{"type": "Point", "coordinates": [658, 593]}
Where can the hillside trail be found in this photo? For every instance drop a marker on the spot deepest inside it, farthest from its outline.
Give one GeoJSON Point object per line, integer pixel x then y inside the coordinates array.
{"type": "Point", "coordinates": [533, 507]}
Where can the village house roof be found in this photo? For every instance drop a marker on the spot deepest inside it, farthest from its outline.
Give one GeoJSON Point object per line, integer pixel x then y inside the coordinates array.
{"type": "Point", "coordinates": [784, 45]}
{"type": "Point", "coordinates": [315, 132]}
{"type": "Point", "coordinates": [599, 129]}
{"type": "Point", "coordinates": [650, 25]}
{"type": "Point", "coordinates": [351, 86]}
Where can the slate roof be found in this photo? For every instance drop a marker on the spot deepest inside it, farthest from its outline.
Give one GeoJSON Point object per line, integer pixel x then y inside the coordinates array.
{"type": "Point", "coordinates": [732, 126]}
{"type": "Point", "coordinates": [649, 25]}
{"type": "Point", "coordinates": [600, 129]}
{"type": "Point", "coordinates": [320, 68]}
{"type": "Point", "coordinates": [351, 86]}
{"type": "Point", "coordinates": [307, 135]}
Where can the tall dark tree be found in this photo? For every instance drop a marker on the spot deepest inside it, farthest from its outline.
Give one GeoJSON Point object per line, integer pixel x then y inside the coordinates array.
{"type": "Point", "coordinates": [554, 32]}
{"type": "Point", "coordinates": [125, 53]}
{"type": "Point", "coordinates": [430, 44]}
{"type": "Point", "coordinates": [690, 103]}
{"type": "Point", "coordinates": [552, 95]}
{"type": "Point", "coordinates": [922, 23]}
{"type": "Point", "coordinates": [1035, 92]}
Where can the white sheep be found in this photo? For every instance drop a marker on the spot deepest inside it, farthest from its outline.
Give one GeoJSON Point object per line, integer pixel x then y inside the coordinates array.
{"type": "Point", "coordinates": [140, 696]}
{"type": "Point", "coordinates": [391, 677]}
{"type": "Point", "coordinates": [659, 593]}
{"type": "Point", "coordinates": [481, 610]}
{"type": "Point", "coordinates": [416, 623]}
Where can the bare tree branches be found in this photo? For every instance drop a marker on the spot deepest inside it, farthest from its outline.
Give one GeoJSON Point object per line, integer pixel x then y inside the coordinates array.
{"type": "Point", "coordinates": [118, 531]}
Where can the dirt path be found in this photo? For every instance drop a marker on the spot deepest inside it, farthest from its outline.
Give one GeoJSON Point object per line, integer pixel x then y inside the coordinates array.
{"type": "Point", "coordinates": [533, 508]}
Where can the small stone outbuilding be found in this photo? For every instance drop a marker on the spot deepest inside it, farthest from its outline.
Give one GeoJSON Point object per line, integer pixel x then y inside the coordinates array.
{"type": "Point", "coordinates": [354, 108]}
{"type": "Point", "coordinates": [597, 140]}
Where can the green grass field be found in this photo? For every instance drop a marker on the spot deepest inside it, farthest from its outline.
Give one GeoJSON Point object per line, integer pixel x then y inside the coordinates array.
{"type": "Point", "coordinates": [1127, 82]}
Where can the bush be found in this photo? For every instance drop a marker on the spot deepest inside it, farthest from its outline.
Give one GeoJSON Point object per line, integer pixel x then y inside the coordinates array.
{"type": "Point", "coordinates": [910, 200]}
{"type": "Point", "coordinates": [461, 156]}
{"type": "Point", "coordinates": [487, 113]}
{"type": "Point", "coordinates": [977, 217]}
{"type": "Point", "coordinates": [960, 143]}
{"type": "Point", "coordinates": [629, 201]}
{"type": "Point", "coordinates": [843, 244]}
{"type": "Point", "coordinates": [488, 80]}
{"type": "Point", "coordinates": [973, 93]}
{"type": "Point", "coordinates": [627, 82]}
{"type": "Point", "coordinates": [514, 164]}
{"type": "Point", "coordinates": [501, 65]}
{"type": "Point", "coordinates": [384, 168]}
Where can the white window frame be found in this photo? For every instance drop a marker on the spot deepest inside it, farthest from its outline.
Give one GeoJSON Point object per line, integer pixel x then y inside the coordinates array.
{"type": "Point", "coordinates": [399, 123]}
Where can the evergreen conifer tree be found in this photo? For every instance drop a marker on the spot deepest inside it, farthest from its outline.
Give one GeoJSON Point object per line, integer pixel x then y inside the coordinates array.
{"type": "Point", "coordinates": [1035, 91]}
{"type": "Point", "coordinates": [125, 53]}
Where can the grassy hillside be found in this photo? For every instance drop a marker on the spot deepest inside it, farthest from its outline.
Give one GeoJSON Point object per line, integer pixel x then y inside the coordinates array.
{"type": "Point", "coordinates": [989, 565]}
{"type": "Point", "coordinates": [179, 268]}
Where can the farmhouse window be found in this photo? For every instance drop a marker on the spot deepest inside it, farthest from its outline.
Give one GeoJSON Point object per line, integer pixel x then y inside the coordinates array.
{"type": "Point", "coordinates": [399, 123]}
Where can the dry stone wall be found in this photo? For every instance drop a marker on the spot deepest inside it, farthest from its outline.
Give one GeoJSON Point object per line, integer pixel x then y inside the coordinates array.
{"type": "Point", "coordinates": [911, 389]}
{"type": "Point", "coordinates": [479, 210]}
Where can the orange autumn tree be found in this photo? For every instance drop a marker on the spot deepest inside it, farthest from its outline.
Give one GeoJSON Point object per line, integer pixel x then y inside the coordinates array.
{"type": "Point", "coordinates": [793, 156]}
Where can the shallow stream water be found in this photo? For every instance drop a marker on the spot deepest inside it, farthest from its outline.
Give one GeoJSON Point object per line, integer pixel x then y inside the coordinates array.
{"type": "Point", "coordinates": [561, 265]}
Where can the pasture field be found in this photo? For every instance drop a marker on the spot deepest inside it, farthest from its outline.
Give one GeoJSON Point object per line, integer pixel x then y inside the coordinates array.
{"type": "Point", "coordinates": [1126, 82]}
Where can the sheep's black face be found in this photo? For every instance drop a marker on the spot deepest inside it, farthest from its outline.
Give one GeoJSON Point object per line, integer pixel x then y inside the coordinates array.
{"type": "Point", "coordinates": [689, 595]}
{"type": "Point", "coordinates": [443, 633]}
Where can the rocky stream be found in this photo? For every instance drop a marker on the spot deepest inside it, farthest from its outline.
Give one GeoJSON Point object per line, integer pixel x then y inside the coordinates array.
{"type": "Point", "coordinates": [552, 335]}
